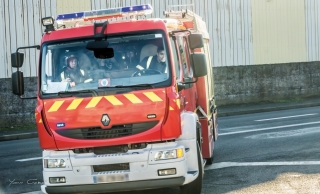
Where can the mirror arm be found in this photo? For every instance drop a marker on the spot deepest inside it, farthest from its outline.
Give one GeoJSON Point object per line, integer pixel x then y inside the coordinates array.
{"type": "Point", "coordinates": [190, 82]}
{"type": "Point", "coordinates": [99, 36]}
{"type": "Point", "coordinates": [171, 34]}
{"type": "Point", "coordinates": [181, 85]}
{"type": "Point", "coordinates": [25, 47]}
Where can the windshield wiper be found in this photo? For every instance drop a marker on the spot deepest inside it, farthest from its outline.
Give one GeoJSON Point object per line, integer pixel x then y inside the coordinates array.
{"type": "Point", "coordinates": [135, 86]}
{"type": "Point", "coordinates": [78, 93]}
{"type": "Point", "coordinates": [146, 86]}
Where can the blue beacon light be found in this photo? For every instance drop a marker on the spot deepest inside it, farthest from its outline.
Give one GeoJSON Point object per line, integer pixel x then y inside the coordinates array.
{"type": "Point", "coordinates": [104, 14]}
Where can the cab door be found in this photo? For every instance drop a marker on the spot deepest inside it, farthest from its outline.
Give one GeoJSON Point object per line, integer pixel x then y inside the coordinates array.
{"type": "Point", "coordinates": [188, 94]}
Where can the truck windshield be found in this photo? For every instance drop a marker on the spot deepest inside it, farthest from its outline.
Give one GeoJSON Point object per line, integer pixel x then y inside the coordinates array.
{"type": "Point", "coordinates": [139, 59]}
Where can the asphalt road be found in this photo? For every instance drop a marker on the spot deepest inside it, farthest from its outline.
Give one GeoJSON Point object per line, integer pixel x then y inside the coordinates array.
{"type": "Point", "coordinates": [273, 152]}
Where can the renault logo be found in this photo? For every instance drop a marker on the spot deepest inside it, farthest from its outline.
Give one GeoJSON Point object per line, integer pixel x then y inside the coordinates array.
{"type": "Point", "coordinates": [105, 120]}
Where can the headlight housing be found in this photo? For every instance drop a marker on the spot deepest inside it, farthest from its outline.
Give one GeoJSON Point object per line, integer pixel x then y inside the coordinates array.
{"type": "Point", "coordinates": [54, 163]}
{"type": "Point", "coordinates": [169, 154]}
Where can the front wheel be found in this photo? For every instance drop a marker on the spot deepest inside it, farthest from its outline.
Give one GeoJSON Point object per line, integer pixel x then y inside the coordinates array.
{"type": "Point", "coordinates": [195, 186]}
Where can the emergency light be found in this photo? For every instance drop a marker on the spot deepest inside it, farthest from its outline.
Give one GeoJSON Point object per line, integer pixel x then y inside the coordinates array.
{"type": "Point", "coordinates": [103, 14]}
{"type": "Point", "coordinates": [48, 22]}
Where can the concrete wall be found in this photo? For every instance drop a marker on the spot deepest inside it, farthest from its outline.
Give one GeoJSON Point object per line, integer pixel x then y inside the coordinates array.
{"type": "Point", "coordinates": [15, 112]}
{"type": "Point", "coordinates": [257, 83]}
{"type": "Point", "coordinates": [233, 85]}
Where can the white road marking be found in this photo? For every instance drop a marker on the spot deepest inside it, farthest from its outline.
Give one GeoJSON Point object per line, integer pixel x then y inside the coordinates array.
{"type": "Point", "coordinates": [268, 128]}
{"type": "Point", "coordinates": [290, 133]}
{"type": "Point", "coordinates": [287, 117]}
{"type": "Point", "coordinates": [29, 159]}
{"type": "Point", "coordinates": [237, 164]}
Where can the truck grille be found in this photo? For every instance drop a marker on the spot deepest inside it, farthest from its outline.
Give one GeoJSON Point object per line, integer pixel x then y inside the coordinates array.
{"type": "Point", "coordinates": [111, 167]}
{"type": "Point", "coordinates": [119, 149]}
{"type": "Point", "coordinates": [110, 149]}
{"type": "Point", "coordinates": [114, 132]}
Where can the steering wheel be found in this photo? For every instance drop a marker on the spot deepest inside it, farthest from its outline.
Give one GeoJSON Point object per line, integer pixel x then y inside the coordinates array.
{"type": "Point", "coordinates": [144, 72]}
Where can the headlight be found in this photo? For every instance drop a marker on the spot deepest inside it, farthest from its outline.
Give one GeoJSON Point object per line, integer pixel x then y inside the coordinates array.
{"type": "Point", "coordinates": [169, 154]}
{"type": "Point", "coordinates": [54, 163]}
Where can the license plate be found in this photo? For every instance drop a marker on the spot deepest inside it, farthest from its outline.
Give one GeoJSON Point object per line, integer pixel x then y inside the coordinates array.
{"type": "Point", "coordinates": [111, 178]}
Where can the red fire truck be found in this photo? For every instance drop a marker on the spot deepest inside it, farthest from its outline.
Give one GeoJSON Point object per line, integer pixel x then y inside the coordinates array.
{"type": "Point", "coordinates": [124, 102]}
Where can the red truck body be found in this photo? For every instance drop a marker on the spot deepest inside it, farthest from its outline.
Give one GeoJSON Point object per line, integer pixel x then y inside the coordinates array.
{"type": "Point", "coordinates": [171, 125]}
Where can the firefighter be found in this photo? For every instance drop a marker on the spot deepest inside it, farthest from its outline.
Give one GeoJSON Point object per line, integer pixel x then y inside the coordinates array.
{"type": "Point", "coordinates": [102, 68]}
{"type": "Point", "coordinates": [156, 62]}
{"type": "Point", "coordinates": [108, 64]}
{"type": "Point", "coordinates": [72, 73]}
{"type": "Point", "coordinates": [130, 58]}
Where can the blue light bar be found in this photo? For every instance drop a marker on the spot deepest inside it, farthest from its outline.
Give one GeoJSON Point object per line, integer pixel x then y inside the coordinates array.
{"type": "Point", "coordinates": [137, 8]}
{"type": "Point", "coordinates": [104, 14]}
{"type": "Point", "coordinates": [70, 16]}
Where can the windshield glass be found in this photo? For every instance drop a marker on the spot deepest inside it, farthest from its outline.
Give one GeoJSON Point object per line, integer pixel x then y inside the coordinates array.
{"type": "Point", "coordinates": [138, 60]}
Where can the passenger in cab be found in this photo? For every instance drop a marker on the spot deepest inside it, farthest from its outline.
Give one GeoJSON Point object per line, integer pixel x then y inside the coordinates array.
{"type": "Point", "coordinates": [130, 59]}
{"type": "Point", "coordinates": [72, 73]}
{"type": "Point", "coordinates": [103, 67]}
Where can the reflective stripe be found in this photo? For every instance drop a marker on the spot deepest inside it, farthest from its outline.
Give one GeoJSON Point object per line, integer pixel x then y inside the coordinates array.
{"type": "Point", "coordinates": [75, 103]}
{"type": "Point", "coordinates": [133, 98]}
{"type": "Point", "coordinates": [152, 96]}
{"type": "Point", "coordinates": [139, 67]}
{"type": "Point", "coordinates": [56, 105]}
{"type": "Point", "coordinates": [62, 76]}
{"type": "Point", "coordinates": [88, 80]}
{"type": "Point", "coordinates": [149, 61]}
{"type": "Point", "coordinates": [93, 102]}
{"type": "Point", "coordinates": [82, 72]}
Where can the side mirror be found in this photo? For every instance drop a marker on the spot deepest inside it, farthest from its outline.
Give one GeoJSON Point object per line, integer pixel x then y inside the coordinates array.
{"type": "Point", "coordinates": [195, 41]}
{"type": "Point", "coordinates": [199, 64]}
{"type": "Point", "coordinates": [17, 83]}
{"type": "Point", "coordinates": [17, 59]}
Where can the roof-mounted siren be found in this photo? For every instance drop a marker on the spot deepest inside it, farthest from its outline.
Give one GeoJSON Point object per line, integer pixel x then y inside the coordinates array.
{"type": "Point", "coordinates": [105, 14]}
{"type": "Point", "coordinates": [48, 22]}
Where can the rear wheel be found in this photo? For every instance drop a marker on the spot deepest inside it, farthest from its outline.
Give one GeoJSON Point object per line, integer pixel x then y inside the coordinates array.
{"type": "Point", "coordinates": [195, 186]}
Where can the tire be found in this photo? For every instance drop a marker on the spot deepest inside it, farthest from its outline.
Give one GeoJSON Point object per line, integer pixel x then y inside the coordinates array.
{"type": "Point", "coordinates": [195, 186]}
{"type": "Point", "coordinates": [210, 160]}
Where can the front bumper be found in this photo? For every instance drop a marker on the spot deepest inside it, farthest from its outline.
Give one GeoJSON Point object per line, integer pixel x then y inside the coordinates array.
{"type": "Point", "coordinates": [143, 173]}
{"type": "Point", "coordinates": [115, 187]}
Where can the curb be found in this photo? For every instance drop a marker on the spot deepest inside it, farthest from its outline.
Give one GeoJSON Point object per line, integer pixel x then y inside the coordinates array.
{"type": "Point", "coordinates": [18, 136]}
{"type": "Point", "coordinates": [269, 109]}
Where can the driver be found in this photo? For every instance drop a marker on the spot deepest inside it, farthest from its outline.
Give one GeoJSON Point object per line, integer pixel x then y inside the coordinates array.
{"type": "Point", "coordinates": [72, 73]}
{"type": "Point", "coordinates": [156, 62]}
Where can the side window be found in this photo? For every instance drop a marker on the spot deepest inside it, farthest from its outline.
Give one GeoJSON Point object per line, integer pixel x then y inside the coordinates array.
{"type": "Point", "coordinates": [184, 56]}
{"type": "Point", "coordinates": [175, 58]}
{"type": "Point", "coordinates": [186, 46]}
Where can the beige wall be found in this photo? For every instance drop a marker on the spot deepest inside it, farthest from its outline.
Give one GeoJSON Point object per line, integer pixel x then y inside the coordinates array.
{"type": "Point", "coordinates": [278, 30]}
{"type": "Point", "coordinates": [69, 6]}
